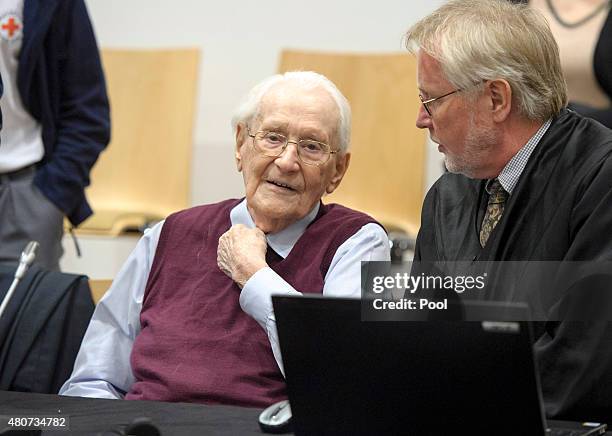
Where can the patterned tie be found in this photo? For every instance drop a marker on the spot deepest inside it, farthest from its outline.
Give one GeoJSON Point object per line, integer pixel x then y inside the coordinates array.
{"type": "Point", "coordinates": [495, 209]}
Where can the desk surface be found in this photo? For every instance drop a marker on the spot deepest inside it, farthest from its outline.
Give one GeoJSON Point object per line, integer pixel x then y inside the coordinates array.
{"type": "Point", "coordinates": [101, 417]}
{"type": "Point", "coordinates": [95, 416]}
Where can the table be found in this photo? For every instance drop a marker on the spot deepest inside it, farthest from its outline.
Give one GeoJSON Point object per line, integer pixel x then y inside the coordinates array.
{"type": "Point", "coordinates": [90, 416]}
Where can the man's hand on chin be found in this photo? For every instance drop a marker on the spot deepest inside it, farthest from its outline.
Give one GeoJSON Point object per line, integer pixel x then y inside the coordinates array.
{"type": "Point", "coordinates": [241, 253]}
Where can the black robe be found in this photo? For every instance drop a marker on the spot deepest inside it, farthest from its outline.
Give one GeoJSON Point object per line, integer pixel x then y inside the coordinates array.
{"type": "Point", "coordinates": [560, 210]}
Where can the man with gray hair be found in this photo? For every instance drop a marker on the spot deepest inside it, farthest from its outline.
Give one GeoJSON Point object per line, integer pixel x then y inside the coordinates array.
{"type": "Point", "coordinates": [189, 317]}
{"type": "Point", "coordinates": [528, 180]}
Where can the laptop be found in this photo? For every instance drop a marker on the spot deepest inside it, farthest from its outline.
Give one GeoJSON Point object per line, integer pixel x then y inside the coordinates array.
{"type": "Point", "coordinates": [346, 376]}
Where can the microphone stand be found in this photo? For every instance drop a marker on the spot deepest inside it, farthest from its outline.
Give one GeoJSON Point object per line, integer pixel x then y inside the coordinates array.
{"type": "Point", "coordinates": [27, 257]}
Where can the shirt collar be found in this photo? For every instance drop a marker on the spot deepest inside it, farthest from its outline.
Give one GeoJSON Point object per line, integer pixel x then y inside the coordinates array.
{"type": "Point", "coordinates": [282, 242]}
{"type": "Point", "coordinates": [511, 173]}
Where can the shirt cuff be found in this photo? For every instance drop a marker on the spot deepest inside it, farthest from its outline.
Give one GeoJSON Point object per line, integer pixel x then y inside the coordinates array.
{"type": "Point", "coordinates": [255, 298]}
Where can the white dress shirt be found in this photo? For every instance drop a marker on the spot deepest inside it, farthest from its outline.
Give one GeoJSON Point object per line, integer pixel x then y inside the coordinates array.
{"type": "Point", "coordinates": [511, 173]}
{"type": "Point", "coordinates": [102, 367]}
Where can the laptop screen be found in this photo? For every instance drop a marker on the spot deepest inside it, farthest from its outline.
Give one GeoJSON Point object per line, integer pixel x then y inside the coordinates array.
{"type": "Point", "coordinates": [348, 376]}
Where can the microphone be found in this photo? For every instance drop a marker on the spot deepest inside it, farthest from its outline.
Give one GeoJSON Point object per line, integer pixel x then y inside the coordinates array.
{"type": "Point", "coordinates": [138, 427]}
{"type": "Point", "coordinates": [142, 427]}
{"type": "Point", "coordinates": [27, 257]}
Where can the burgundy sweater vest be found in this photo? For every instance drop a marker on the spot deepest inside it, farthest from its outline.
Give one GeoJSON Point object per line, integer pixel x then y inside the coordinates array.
{"type": "Point", "coordinates": [196, 344]}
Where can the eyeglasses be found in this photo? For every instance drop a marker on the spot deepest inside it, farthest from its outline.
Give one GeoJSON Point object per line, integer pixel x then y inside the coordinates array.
{"type": "Point", "coordinates": [309, 151]}
{"type": "Point", "coordinates": [426, 103]}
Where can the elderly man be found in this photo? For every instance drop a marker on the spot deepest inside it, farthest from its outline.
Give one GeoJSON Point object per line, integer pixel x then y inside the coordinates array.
{"type": "Point", "coordinates": [528, 179]}
{"type": "Point", "coordinates": [189, 317]}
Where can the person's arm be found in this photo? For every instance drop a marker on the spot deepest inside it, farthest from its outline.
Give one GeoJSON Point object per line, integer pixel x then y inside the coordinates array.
{"type": "Point", "coordinates": [343, 279]}
{"type": "Point", "coordinates": [82, 127]}
{"type": "Point", "coordinates": [102, 367]}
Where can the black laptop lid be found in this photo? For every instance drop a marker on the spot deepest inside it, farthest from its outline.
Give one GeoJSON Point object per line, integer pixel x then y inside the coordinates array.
{"type": "Point", "coordinates": [347, 376]}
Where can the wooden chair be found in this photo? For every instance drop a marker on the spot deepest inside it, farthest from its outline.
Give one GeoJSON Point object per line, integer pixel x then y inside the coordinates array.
{"type": "Point", "coordinates": [386, 173]}
{"type": "Point", "coordinates": [98, 288]}
{"type": "Point", "coordinates": [145, 173]}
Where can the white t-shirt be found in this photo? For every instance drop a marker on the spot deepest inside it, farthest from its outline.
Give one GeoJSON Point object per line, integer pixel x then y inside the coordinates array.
{"type": "Point", "coordinates": [21, 134]}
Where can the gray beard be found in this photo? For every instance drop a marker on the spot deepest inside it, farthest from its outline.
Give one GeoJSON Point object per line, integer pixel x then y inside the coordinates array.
{"type": "Point", "coordinates": [479, 143]}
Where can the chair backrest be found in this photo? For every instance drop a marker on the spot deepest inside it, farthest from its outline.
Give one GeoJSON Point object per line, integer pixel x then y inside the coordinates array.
{"type": "Point", "coordinates": [98, 288]}
{"type": "Point", "coordinates": [145, 173]}
{"type": "Point", "coordinates": [386, 174]}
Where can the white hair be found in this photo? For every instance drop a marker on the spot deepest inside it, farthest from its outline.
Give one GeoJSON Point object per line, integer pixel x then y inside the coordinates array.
{"type": "Point", "coordinates": [476, 40]}
{"type": "Point", "coordinates": [249, 107]}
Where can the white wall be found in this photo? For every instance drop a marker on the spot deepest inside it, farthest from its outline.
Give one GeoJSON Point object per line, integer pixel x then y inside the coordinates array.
{"type": "Point", "coordinates": [240, 42]}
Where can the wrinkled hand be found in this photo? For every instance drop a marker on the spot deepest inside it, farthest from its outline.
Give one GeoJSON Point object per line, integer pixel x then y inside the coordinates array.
{"type": "Point", "coordinates": [241, 253]}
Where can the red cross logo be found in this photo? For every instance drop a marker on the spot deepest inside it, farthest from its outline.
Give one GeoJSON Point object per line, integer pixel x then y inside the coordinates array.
{"type": "Point", "coordinates": [10, 27]}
